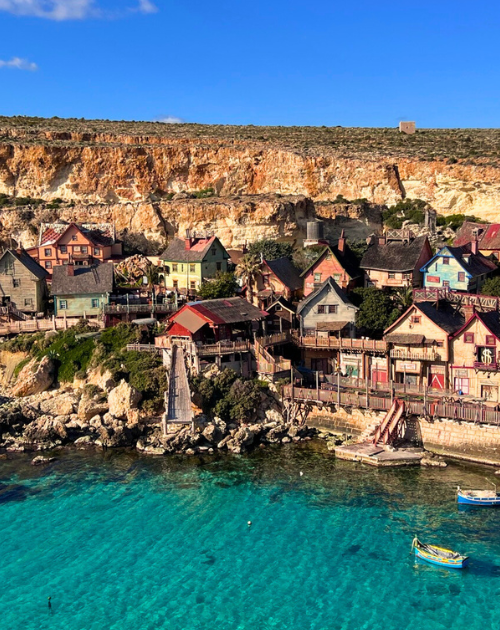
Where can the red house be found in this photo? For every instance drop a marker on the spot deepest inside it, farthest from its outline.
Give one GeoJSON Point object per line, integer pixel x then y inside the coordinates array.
{"type": "Point", "coordinates": [211, 321]}
{"type": "Point", "coordinates": [337, 262]}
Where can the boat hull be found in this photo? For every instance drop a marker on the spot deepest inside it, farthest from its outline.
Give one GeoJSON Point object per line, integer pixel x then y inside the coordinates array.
{"type": "Point", "coordinates": [463, 499]}
{"type": "Point", "coordinates": [441, 562]}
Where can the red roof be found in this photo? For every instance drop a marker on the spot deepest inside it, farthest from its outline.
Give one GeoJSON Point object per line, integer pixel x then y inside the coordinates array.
{"type": "Point", "coordinates": [488, 235]}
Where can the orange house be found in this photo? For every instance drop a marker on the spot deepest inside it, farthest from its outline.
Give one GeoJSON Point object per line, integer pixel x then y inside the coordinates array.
{"type": "Point", "coordinates": [337, 262]}
{"type": "Point", "coordinates": [87, 244]}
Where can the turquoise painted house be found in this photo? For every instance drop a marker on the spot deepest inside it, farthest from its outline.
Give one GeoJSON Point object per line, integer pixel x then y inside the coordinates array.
{"type": "Point", "coordinates": [81, 291]}
{"type": "Point", "coordinates": [460, 268]}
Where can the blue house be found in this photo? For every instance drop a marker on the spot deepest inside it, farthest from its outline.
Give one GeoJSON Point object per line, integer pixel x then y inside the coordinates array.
{"type": "Point", "coordinates": [460, 268]}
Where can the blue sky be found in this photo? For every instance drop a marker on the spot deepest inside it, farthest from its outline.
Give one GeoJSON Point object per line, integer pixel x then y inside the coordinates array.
{"type": "Point", "coordinates": [275, 62]}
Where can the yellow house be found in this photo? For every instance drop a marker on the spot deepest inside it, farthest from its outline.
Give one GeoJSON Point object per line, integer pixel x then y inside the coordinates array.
{"type": "Point", "coordinates": [419, 345]}
{"type": "Point", "coordinates": [186, 263]}
{"type": "Point", "coordinates": [476, 357]}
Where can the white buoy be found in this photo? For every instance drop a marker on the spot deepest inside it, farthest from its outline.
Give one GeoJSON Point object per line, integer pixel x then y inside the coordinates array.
{"type": "Point", "coordinates": [249, 523]}
{"type": "Point", "coordinates": [301, 473]}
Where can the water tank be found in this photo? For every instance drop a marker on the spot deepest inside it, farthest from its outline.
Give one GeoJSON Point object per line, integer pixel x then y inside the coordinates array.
{"type": "Point", "coordinates": [315, 230]}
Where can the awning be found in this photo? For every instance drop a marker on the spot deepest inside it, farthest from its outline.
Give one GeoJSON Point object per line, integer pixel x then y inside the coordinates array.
{"type": "Point", "coordinates": [330, 326]}
{"type": "Point", "coordinates": [405, 339]}
{"type": "Point", "coordinates": [147, 321]}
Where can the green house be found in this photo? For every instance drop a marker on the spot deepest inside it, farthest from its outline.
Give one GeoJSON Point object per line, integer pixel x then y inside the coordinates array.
{"type": "Point", "coordinates": [81, 291]}
{"type": "Point", "coordinates": [186, 263]}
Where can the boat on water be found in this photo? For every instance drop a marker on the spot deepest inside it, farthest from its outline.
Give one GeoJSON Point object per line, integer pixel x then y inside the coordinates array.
{"type": "Point", "coordinates": [439, 555]}
{"type": "Point", "coordinates": [478, 497]}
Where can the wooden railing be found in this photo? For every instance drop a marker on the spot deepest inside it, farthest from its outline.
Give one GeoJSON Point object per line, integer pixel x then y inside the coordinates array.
{"type": "Point", "coordinates": [139, 308]}
{"type": "Point", "coordinates": [36, 325]}
{"type": "Point", "coordinates": [214, 349]}
{"type": "Point", "coordinates": [417, 355]}
{"type": "Point", "coordinates": [483, 302]}
{"type": "Point", "coordinates": [143, 347]}
{"type": "Point", "coordinates": [466, 412]}
{"type": "Point", "coordinates": [310, 341]}
{"type": "Point", "coordinates": [273, 340]}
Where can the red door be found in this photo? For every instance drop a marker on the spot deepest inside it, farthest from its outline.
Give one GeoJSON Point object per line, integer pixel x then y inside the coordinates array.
{"type": "Point", "coordinates": [379, 376]}
{"type": "Point", "coordinates": [436, 381]}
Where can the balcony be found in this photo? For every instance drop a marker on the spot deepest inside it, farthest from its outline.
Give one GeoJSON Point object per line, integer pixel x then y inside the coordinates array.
{"type": "Point", "coordinates": [310, 341]}
{"type": "Point", "coordinates": [415, 355]}
{"type": "Point", "coordinates": [489, 367]}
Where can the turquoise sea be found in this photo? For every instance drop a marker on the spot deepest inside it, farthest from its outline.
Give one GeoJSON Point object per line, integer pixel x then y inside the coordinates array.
{"type": "Point", "coordinates": [124, 543]}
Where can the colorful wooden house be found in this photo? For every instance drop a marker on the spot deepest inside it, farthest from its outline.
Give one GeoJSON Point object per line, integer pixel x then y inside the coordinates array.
{"type": "Point", "coordinates": [187, 263]}
{"type": "Point", "coordinates": [460, 268]}
{"type": "Point", "coordinates": [282, 316]}
{"type": "Point", "coordinates": [278, 278]}
{"type": "Point", "coordinates": [475, 362]}
{"type": "Point", "coordinates": [487, 235]}
{"type": "Point", "coordinates": [395, 260]}
{"type": "Point", "coordinates": [23, 284]}
{"type": "Point", "coordinates": [81, 245]}
{"type": "Point", "coordinates": [337, 262]}
{"type": "Point", "coordinates": [419, 345]}
{"type": "Point", "coordinates": [82, 291]}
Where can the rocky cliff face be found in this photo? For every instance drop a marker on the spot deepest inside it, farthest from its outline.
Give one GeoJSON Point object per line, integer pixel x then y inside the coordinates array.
{"type": "Point", "coordinates": [126, 178]}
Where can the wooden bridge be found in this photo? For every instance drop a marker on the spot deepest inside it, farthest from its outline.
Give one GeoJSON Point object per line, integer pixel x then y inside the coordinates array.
{"type": "Point", "coordinates": [178, 398]}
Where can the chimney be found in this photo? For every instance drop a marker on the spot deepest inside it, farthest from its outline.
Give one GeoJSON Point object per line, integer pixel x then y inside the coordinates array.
{"type": "Point", "coordinates": [474, 246]}
{"type": "Point", "coordinates": [382, 240]}
{"type": "Point", "coordinates": [468, 310]}
{"type": "Point", "coordinates": [188, 240]}
{"type": "Point", "coordinates": [341, 243]}
{"type": "Point", "coordinates": [70, 270]}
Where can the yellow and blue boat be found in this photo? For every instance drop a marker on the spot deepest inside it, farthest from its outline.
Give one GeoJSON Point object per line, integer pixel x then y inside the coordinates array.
{"type": "Point", "coordinates": [487, 498]}
{"type": "Point", "coordinates": [438, 555]}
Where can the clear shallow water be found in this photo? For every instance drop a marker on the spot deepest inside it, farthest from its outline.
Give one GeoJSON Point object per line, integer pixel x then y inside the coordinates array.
{"type": "Point", "coordinates": [126, 543]}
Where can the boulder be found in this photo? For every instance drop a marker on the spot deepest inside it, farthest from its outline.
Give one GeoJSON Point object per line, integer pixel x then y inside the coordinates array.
{"type": "Point", "coordinates": [90, 407]}
{"type": "Point", "coordinates": [40, 460]}
{"type": "Point", "coordinates": [212, 434]}
{"type": "Point", "coordinates": [123, 398]}
{"type": "Point", "coordinates": [244, 437]}
{"type": "Point", "coordinates": [63, 405]}
{"type": "Point", "coordinates": [34, 378]}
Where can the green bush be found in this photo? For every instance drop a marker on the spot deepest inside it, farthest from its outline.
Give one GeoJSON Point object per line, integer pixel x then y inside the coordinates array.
{"type": "Point", "coordinates": [271, 249]}
{"type": "Point", "coordinates": [224, 285]}
{"type": "Point", "coordinates": [20, 366]}
{"type": "Point", "coordinates": [377, 310]}
{"type": "Point", "coordinates": [408, 210]}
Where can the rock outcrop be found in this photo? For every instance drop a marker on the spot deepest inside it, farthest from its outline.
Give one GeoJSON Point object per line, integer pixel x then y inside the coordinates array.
{"type": "Point", "coordinates": [34, 378]}
{"type": "Point", "coordinates": [122, 399]}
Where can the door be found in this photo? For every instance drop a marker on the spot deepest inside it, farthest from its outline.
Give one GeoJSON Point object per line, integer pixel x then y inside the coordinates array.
{"type": "Point", "coordinates": [436, 381]}
{"type": "Point", "coordinates": [461, 385]}
{"type": "Point", "coordinates": [379, 376]}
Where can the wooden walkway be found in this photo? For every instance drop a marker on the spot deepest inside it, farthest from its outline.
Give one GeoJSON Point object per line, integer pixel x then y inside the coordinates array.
{"type": "Point", "coordinates": [179, 395]}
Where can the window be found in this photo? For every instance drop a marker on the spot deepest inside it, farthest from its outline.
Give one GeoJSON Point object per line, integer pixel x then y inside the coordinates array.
{"type": "Point", "coordinates": [446, 261]}
{"type": "Point", "coordinates": [175, 267]}
{"type": "Point", "coordinates": [63, 305]}
{"type": "Point", "coordinates": [28, 301]}
{"type": "Point", "coordinates": [332, 308]}
{"type": "Point", "coordinates": [392, 276]}
{"type": "Point", "coordinates": [219, 266]}
{"type": "Point", "coordinates": [415, 319]}
{"type": "Point", "coordinates": [63, 249]}
{"type": "Point", "coordinates": [84, 249]}
{"type": "Point", "coordinates": [74, 237]}
{"type": "Point", "coordinates": [407, 276]}
{"type": "Point", "coordinates": [192, 284]}
{"type": "Point", "coordinates": [337, 277]}
{"type": "Point", "coordinates": [321, 309]}
{"type": "Point", "coordinates": [97, 251]}
{"type": "Point", "coordinates": [214, 251]}
{"type": "Point", "coordinates": [440, 344]}
{"type": "Point", "coordinates": [95, 302]}
{"type": "Point", "coordinates": [490, 340]}
{"type": "Point", "coordinates": [461, 276]}
{"type": "Point", "coordinates": [317, 277]}
{"type": "Point", "coordinates": [192, 268]}
{"type": "Point", "coordinates": [48, 251]}
{"type": "Point", "coordinates": [469, 338]}
{"type": "Point", "coordinates": [176, 284]}
{"type": "Point", "coordinates": [76, 248]}
{"type": "Point", "coordinates": [16, 282]}
{"type": "Point", "coordinates": [48, 264]}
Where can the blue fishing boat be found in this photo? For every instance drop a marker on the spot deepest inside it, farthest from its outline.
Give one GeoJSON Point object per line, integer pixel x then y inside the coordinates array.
{"type": "Point", "coordinates": [478, 497]}
{"type": "Point", "coordinates": [439, 555]}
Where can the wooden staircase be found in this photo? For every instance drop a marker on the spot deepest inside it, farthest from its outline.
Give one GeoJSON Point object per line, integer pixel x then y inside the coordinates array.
{"type": "Point", "coordinates": [390, 427]}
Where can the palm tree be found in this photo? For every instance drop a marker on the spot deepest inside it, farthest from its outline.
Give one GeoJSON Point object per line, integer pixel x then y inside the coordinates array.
{"type": "Point", "coordinates": [403, 298]}
{"type": "Point", "coordinates": [248, 269]}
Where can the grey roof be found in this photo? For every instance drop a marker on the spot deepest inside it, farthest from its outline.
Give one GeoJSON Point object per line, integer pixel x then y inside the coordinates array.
{"type": "Point", "coordinates": [394, 256]}
{"type": "Point", "coordinates": [284, 303]}
{"type": "Point", "coordinates": [405, 339]}
{"type": "Point", "coordinates": [87, 280]}
{"type": "Point", "coordinates": [476, 264]}
{"type": "Point", "coordinates": [445, 316]}
{"type": "Point", "coordinates": [491, 320]}
{"type": "Point", "coordinates": [329, 283]}
{"type": "Point", "coordinates": [286, 272]}
{"type": "Point", "coordinates": [30, 263]}
{"type": "Point", "coordinates": [228, 310]}
{"type": "Point", "coordinates": [177, 252]}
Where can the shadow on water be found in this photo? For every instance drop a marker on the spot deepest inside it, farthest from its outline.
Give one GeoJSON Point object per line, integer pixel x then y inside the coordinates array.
{"type": "Point", "coordinates": [14, 492]}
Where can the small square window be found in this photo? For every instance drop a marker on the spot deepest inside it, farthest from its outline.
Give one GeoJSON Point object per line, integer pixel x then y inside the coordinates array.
{"type": "Point", "coordinates": [469, 338]}
{"type": "Point", "coordinates": [84, 249]}
{"type": "Point", "coordinates": [337, 277]}
{"type": "Point", "coordinates": [192, 284]}
{"type": "Point", "coordinates": [175, 267]}
{"type": "Point", "coordinates": [317, 277]}
{"type": "Point", "coordinates": [97, 251]}
{"type": "Point", "coordinates": [332, 308]}
{"type": "Point", "coordinates": [63, 305]}
{"type": "Point", "coordinates": [16, 282]}
{"type": "Point", "coordinates": [95, 302]}
{"type": "Point", "coordinates": [28, 301]}
{"type": "Point", "coordinates": [446, 284]}
{"type": "Point", "coordinates": [74, 237]}
{"type": "Point", "coordinates": [192, 268]}
{"type": "Point", "coordinates": [76, 248]}
{"type": "Point", "coordinates": [321, 309]}
{"type": "Point", "coordinates": [219, 266]}
{"type": "Point", "coordinates": [446, 261]}
{"type": "Point", "coordinates": [392, 276]}
{"type": "Point", "coordinates": [48, 264]}
{"type": "Point", "coordinates": [490, 340]}
{"type": "Point", "coordinates": [461, 276]}
{"type": "Point", "coordinates": [176, 284]}
{"type": "Point", "coordinates": [48, 252]}
{"type": "Point", "coordinates": [214, 251]}
{"type": "Point", "coordinates": [64, 249]}
{"type": "Point", "coordinates": [440, 344]}
{"type": "Point", "coordinates": [415, 319]}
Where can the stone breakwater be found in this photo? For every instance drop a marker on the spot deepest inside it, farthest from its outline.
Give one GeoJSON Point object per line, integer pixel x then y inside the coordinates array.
{"type": "Point", "coordinates": [74, 418]}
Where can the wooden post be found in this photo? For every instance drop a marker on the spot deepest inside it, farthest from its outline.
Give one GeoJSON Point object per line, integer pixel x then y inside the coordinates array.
{"type": "Point", "coordinates": [317, 384]}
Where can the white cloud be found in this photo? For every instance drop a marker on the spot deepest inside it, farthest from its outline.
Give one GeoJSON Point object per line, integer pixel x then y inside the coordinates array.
{"type": "Point", "coordinates": [19, 64]}
{"type": "Point", "coordinates": [61, 10]}
{"type": "Point", "coordinates": [171, 120]}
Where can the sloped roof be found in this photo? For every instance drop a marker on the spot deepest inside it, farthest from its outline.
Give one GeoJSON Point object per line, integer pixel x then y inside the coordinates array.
{"type": "Point", "coordinates": [474, 264]}
{"type": "Point", "coordinates": [465, 234]}
{"type": "Point", "coordinates": [405, 338]}
{"type": "Point", "coordinates": [445, 316]}
{"type": "Point", "coordinates": [97, 233]}
{"type": "Point", "coordinates": [191, 321]}
{"type": "Point", "coordinates": [227, 310]}
{"type": "Point", "coordinates": [491, 320]}
{"type": "Point", "coordinates": [87, 280]}
{"type": "Point", "coordinates": [286, 272]}
{"type": "Point", "coordinates": [346, 258]}
{"type": "Point", "coordinates": [394, 256]}
{"type": "Point", "coordinates": [30, 263]}
{"type": "Point", "coordinates": [328, 284]}
{"type": "Point", "coordinates": [177, 252]}
{"type": "Point", "coordinates": [284, 303]}
{"type": "Point", "coordinates": [331, 326]}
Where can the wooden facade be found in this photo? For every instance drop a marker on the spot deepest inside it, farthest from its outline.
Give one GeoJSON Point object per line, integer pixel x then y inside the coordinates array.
{"type": "Point", "coordinates": [22, 282]}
